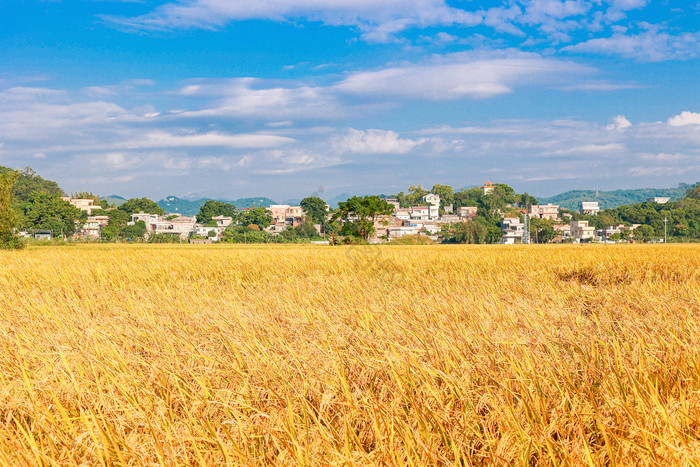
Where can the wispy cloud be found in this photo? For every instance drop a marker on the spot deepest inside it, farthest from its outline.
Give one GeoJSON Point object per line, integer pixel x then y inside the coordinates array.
{"type": "Point", "coordinates": [646, 46]}
{"type": "Point", "coordinates": [373, 141]}
{"type": "Point", "coordinates": [378, 20]}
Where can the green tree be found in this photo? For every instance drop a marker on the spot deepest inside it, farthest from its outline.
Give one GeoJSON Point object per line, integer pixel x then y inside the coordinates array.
{"type": "Point", "coordinates": [29, 182]}
{"type": "Point", "coordinates": [315, 208]}
{"type": "Point", "coordinates": [693, 193]}
{"type": "Point", "coordinates": [446, 194]}
{"type": "Point", "coordinates": [8, 217]}
{"type": "Point", "coordinates": [525, 200]}
{"type": "Point", "coordinates": [474, 231]}
{"type": "Point", "coordinates": [259, 216]}
{"type": "Point", "coordinates": [360, 213]}
{"type": "Point", "coordinates": [213, 208]}
{"type": "Point", "coordinates": [644, 233]}
{"type": "Point", "coordinates": [135, 205]}
{"type": "Point", "coordinates": [134, 231]}
{"type": "Point", "coordinates": [43, 211]}
{"type": "Point", "coordinates": [415, 194]}
{"type": "Point", "coordinates": [541, 230]}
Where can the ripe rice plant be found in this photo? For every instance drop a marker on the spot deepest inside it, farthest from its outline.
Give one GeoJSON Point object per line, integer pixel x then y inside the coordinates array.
{"type": "Point", "coordinates": [314, 355]}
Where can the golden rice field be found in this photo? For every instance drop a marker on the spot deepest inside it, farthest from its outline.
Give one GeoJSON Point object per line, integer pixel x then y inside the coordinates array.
{"type": "Point", "coordinates": [300, 355]}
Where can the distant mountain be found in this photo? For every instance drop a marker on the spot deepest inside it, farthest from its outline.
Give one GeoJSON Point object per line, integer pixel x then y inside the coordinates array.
{"type": "Point", "coordinates": [244, 203]}
{"type": "Point", "coordinates": [611, 199]}
{"type": "Point", "coordinates": [114, 199]}
{"type": "Point", "coordinates": [175, 205]}
{"type": "Point", "coordinates": [333, 202]}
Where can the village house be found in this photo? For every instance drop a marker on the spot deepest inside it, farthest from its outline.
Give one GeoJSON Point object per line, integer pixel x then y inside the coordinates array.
{"type": "Point", "coordinates": [222, 221]}
{"type": "Point", "coordinates": [148, 219]}
{"type": "Point", "coordinates": [420, 213]}
{"type": "Point", "coordinates": [403, 213]}
{"type": "Point", "coordinates": [93, 225]}
{"type": "Point", "coordinates": [513, 231]}
{"type": "Point", "coordinates": [580, 230]}
{"type": "Point", "coordinates": [181, 226]}
{"type": "Point", "coordinates": [449, 219]}
{"type": "Point", "coordinates": [433, 202]}
{"type": "Point", "coordinates": [82, 204]}
{"type": "Point", "coordinates": [658, 199]}
{"type": "Point", "coordinates": [488, 188]}
{"type": "Point", "coordinates": [563, 232]}
{"type": "Point", "coordinates": [589, 207]}
{"type": "Point", "coordinates": [284, 216]}
{"type": "Point", "coordinates": [466, 212]}
{"type": "Point", "coordinates": [204, 231]}
{"type": "Point", "coordinates": [544, 211]}
{"type": "Point", "coordinates": [398, 232]}
{"type": "Point", "coordinates": [394, 202]}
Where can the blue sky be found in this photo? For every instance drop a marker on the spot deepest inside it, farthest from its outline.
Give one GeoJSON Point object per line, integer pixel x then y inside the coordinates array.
{"type": "Point", "coordinates": [284, 98]}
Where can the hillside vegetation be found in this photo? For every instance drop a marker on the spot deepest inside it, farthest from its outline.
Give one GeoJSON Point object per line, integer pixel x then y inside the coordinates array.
{"type": "Point", "coordinates": [612, 199]}
{"type": "Point", "coordinates": [395, 355]}
{"type": "Point", "coordinates": [173, 204]}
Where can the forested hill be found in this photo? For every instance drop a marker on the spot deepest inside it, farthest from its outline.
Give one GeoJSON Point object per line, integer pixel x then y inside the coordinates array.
{"type": "Point", "coordinates": [173, 204]}
{"type": "Point", "coordinates": [612, 199]}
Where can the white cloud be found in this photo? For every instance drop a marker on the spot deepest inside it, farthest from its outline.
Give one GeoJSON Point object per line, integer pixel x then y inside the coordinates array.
{"type": "Point", "coordinates": [248, 97]}
{"type": "Point", "coordinates": [646, 46]}
{"type": "Point", "coordinates": [279, 162]}
{"type": "Point", "coordinates": [685, 118]}
{"type": "Point", "coordinates": [373, 142]}
{"type": "Point", "coordinates": [589, 149]}
{"type": "Point", "coordinates": [664, 157]}
{"type": "Point", "coordinates": [619, 122]}
{"type": "Point", "coordinates": [164, 139]}
{"type": "Point", "coordinates": [377, 19]}
{"type": "Point", "coordinates": [660, 171]}
{"type": "Point", "coordinates": [459, 75]}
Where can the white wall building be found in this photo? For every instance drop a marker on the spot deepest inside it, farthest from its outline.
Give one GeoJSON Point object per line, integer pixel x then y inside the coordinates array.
{"type": "Point", "coordinates": [589, 207]}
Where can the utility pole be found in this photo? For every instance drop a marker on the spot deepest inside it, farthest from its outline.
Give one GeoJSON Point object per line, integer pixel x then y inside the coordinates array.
{"type": "Point", "coordinates": [665, 237]}
{"type": "Point", "coordinates": [526, 230]}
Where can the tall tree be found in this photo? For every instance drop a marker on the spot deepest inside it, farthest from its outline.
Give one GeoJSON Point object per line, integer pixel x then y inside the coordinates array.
{"type": "Point", "coordinates": [8, 216]}
{"type": "Point", "coordinates": [213, 208]}
{"type": "Point", "coordinates": [43, 211]}
{"type": "Point", "coordinates": [445, 192]}
{"type": "Point", "coordinates": [315, 208]}
{"type": "Point", "coordinates": [258, 216]}
{"type": "Point", "coordinates": [135, 205]}
{"type": "Point", "coordinates": [360, 213]}
{"type": "Point", "coordinates": [541, 230]}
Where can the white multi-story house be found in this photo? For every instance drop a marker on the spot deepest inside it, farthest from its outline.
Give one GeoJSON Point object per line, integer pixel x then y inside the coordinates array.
{"type": "Point", "coordinates": [466, 212]}
{"type": "Point", "coordinates": [181, 225]}
{"type": "Point", "coordinates": [420, 213]}
{"type": "Point", "coordinates": [222, 221]}
{"type": "Point", "coordinates": [580, 230]}
{"type": "Point", "coordinates": [589, 207]}
{"type": "Point", "coordinates": [433, 202]}
{"type": "Point", "coordinates": [513, 230]}
{"type": "Point", "coordinates": [398, 232]}
{"type": "Point", "coordinates": [204, 231]}
{"type": "Point", "coordinates": [93, 225]}
{"type": "Point", "coordinates": [284, 216]}
{"type": "Point", "coordinates": [544, 211]}
{"type": "Point", "coordinates": [403, 213]}
{"type": "Point", "coordinates": [84, 204]}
